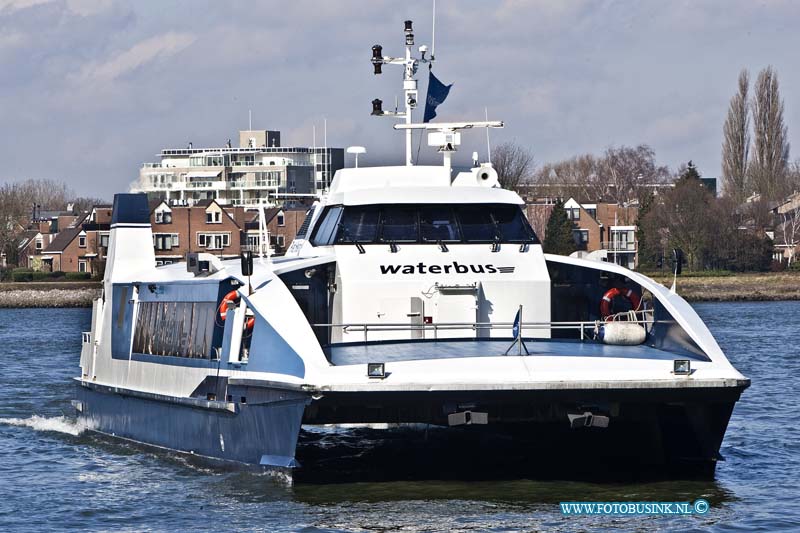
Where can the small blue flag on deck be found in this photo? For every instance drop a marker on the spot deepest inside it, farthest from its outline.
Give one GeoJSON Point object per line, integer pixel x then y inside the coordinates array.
{"type": "Point", "coordinates": [437, 92]}
{"type": "Point", "coordinates": [515, 329]}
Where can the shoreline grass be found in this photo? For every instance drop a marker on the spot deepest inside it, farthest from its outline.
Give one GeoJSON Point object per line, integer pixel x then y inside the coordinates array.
{"type": "Point", "coordinates": [693, 287]}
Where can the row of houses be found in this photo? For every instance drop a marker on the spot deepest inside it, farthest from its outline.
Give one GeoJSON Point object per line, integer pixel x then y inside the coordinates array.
{"type": "Point", "coordinates": [78, 242]}
{"type": "Point", "coordinates": [602, 231]}
{"type": "Point", "coordinates": [607, 231]}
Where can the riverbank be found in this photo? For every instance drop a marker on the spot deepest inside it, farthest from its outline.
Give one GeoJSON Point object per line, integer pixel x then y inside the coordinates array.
{"type": "Point", "coordinates": [755, 287]}
{"type": "Point", "coordinates": [49, 294]}
{"type": "Point", "coordinates": [768, 286]}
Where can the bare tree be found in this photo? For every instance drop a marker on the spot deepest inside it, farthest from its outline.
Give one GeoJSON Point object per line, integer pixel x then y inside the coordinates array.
{"type": "Point", "coordinates": [620, 176]}
{"type": "Point", "coordinates": [626, 171]}
{"type": "Point", "coordinates": [17, 201]}
{"type": "Point", "coordinates": [13, 211]}
{"type": "Point", "coordinates": [790, 227]}
{"type": "Point", "coordinates": [86, 203]}
{"type": "Point", "coordinates": [768, 168]}
{"type": "Point", "coordinates": [685, 217]}
{"type": "Point", "coordinates": [575, 177]}
{"type": "Point", "coordinates": [514, 164]}
{"type": "Point", "coordinates": [736, 144]}
{"type": "Point", "coordinates": [793, 176]}
{"type": "Point", "coordinates": [538, 215]}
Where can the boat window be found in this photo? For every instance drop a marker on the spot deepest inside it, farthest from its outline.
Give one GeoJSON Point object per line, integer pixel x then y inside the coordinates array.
{"type": "Point", "coordinates": [399, 225]}
{"type": "Point", "coordinates": [438, 224]}
{"type": "Point", "coordinates": [467, 223]}
{"type": "Point", "coordinates": [511, 225]}
{"type": "Point", "coordinates": [301, 233]}
{"type": "Point", "coordinates": [477, 224]}
{"type": "Point", "coordinates": [326, 227]}
{"type": "Point", "coordinates": [178, 329]}
{"type": "Point", "coordinates": [358, 225]}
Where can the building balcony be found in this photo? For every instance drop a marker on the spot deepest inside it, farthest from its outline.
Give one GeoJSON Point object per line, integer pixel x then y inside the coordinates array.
{"type": "Point", "coordinates": [255, 184]}
{"type": "Point", "coordinates": [619, 246]}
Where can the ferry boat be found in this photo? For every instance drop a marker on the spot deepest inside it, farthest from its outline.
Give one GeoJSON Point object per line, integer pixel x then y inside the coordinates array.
{"type": "Point", "coordinates": [413, 296]}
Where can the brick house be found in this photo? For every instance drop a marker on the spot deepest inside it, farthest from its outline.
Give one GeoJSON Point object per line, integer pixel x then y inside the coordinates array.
{"type": "Point", "coordinates": [41, 230]}
{"type": "Point", "coordinates": [204, 227]}
{"type": "Point", "coordinates": [66, 253]}
{"type": "Point", "coordinates": [282, 225]}
{"type": "Point", "coordinates": [602, 231]}
{"type": "Point", "coordinates": [605, 231]}
{"type": "Point", "coordinates": [786, 236]}
{"type": "Point", "coordinates": [31, 244]}
{"type": "Point", "coordinates": [80, 244]}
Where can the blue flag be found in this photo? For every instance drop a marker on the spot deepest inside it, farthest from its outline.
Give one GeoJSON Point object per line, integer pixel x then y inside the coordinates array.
{"type": "Point", "coordinates": [515, 329]}
{"type": "Point", "coordinates": [437, 92]}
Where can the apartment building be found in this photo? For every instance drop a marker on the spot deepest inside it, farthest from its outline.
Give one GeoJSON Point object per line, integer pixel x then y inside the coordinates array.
{"type": "Point", "coordinates": [258, 172]}
{"type": "Point", "coordinates": [605, 231]}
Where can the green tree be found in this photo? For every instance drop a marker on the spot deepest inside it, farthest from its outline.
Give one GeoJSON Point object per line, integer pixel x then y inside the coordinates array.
{"type": "Point", "coordinates": [688, 172]}
{"type": "Point", "coordinates": [686, 217]}
{"type": "Point", "coordinates": [649, 249]}
{"type": "Point", "coordinates": [750, 252]}
{"type": "Point", "coordinates": [768, 166]}
{"type": "Point", "coordinates": [736, 143]}
{"type": "Point", "coordinates": [558, 237]}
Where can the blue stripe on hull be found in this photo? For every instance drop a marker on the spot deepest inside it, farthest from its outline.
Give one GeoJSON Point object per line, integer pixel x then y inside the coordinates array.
{"type": "Point", "coordinates": [253, 433]}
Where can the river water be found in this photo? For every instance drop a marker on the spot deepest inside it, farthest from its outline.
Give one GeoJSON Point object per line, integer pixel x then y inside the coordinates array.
{"type": "Point", "coordinates": [54, 476]}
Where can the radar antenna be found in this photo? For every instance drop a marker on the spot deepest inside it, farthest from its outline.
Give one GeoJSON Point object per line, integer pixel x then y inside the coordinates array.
{"type": "Point", "coordinates": [410, 64]}
{"type": "Point", "coordinates": [444, 135]}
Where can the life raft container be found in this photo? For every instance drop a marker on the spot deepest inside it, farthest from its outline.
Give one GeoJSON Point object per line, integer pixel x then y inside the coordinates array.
{"type": "Point", "coordinates": [629, 294]}
{"type": "Point", "coordinates": [233, 297]}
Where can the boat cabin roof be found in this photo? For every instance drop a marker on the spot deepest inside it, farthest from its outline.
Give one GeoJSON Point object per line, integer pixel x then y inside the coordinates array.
{"type": "Point", "coordinates": [413, 185]}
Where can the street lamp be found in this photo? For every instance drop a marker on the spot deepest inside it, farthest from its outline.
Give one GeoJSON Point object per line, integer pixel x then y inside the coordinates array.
{"type": "Point", "coordinates": [355, 150]}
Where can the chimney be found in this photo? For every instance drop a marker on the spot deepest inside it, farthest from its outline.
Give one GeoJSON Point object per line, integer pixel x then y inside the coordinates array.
{"type": "Point", "coordinates": [130, 245]}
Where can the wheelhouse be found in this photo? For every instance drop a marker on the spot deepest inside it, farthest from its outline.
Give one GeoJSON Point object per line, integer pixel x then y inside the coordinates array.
{"type": "Point", "coordinates": [422, 224]}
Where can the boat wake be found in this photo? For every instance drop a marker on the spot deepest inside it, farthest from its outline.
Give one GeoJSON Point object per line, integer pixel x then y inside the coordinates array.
{"type": "Point", "coordinates": [58, 424]}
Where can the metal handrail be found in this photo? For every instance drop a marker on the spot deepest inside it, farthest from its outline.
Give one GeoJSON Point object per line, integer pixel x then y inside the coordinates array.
{"type": "Point", "coordinates": [366, 327]}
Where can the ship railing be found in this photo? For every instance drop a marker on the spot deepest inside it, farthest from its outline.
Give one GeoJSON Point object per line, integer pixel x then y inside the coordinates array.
{"type": "Point", "coordinates": [586, 328]}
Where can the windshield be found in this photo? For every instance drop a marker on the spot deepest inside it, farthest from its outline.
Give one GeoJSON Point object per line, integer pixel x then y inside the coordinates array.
{"type": "Point", "coordinates": [464, 223]}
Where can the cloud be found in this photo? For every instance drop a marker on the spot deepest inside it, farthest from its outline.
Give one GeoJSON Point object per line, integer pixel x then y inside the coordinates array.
{"type": "Point", "coordinates": [87, 8]}
{"type": "Point", "coordinates": [675, 128]}
{"type": "Point", "coordinates": [567, 77]}
{"type": "Point", "coordinates": [78, 7]}
{"type": "Point", "coordinates": [12, 40]}
{"type": "Point", "coordinates": [139, 55]}
{"type": "Point", "coordinates": [9, 6]}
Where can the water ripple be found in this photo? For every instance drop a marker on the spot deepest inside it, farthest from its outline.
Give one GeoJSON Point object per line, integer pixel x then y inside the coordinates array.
{"type": "Point", "coordinates": [66, 478]}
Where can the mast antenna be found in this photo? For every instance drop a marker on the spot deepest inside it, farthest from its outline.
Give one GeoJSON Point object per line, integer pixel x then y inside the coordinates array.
{"type": "Point", "coordinates": [410, 65]}
{"type": "Point", "coordinates": [433, 34]}
{"type": "Point", "coordinates": [488, 145]}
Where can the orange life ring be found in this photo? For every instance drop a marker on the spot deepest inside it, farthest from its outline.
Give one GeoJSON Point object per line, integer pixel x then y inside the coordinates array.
{"type": "Point", "coordinates": [231, 297]}
{"type": "Point", "coordinates": [613, 292]}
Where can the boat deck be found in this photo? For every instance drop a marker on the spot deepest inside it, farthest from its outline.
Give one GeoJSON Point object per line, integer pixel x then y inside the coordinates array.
{"type": "Point", "coordinates": [392, 351]}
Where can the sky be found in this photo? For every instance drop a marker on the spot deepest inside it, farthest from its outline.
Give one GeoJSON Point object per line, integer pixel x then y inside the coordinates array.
{"type": "Point", "coordinates": [91, 89]}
